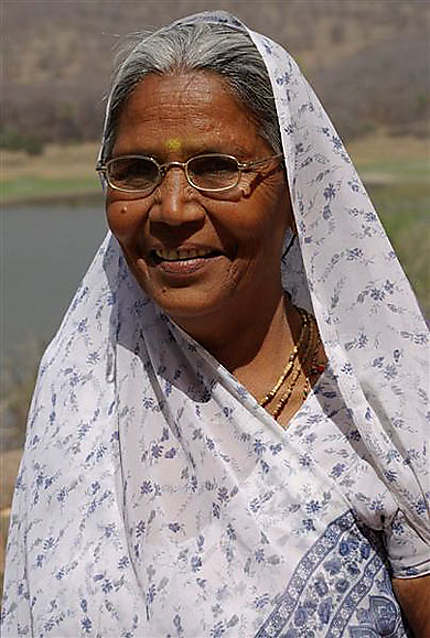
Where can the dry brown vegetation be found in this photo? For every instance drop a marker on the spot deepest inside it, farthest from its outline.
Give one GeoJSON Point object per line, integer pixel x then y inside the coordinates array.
{"type": "Point", "coordinates": [368, 60]}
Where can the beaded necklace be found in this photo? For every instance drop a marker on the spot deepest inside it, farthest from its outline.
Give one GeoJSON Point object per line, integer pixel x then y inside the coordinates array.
{"type": "Point", "coordinates": [304, 351]}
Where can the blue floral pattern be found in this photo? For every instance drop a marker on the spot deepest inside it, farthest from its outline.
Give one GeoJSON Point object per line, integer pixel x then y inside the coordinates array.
{"type": "Point", "coordinates": [343, 567]}
{"type": "Point", "coordinates": [157, 498]}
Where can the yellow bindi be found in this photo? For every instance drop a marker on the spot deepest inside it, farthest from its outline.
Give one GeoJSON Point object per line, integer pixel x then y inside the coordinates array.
{"type": "Point", "coordinates": [174, 144]}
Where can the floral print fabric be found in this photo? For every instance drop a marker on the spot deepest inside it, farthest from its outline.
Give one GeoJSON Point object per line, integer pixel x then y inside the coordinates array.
{"type": "Point", "coordinates": [157, 498]}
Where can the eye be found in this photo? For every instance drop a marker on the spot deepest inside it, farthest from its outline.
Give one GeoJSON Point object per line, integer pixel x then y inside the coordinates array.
{"type": "Point", "coordinates": [133, 173]}
{"type": "Point", "coordinates": [213, 171]}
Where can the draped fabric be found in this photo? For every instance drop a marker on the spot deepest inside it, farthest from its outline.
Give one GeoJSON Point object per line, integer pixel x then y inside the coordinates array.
{"type": "Point", "coordinates": [157, 498]}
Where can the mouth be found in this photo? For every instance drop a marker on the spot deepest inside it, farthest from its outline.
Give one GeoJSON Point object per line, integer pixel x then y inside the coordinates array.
{"type": "Point", "coordinates": [183, 262]}
{"type": "Point", "coordinates": [173, 255]}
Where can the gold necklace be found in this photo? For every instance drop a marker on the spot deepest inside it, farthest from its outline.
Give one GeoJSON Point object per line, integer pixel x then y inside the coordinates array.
{"type": "Point", "coordinates": [294, 367]}
{"type": "Point", "coordinates": [312, 339]}
{"type": "Point", "coordinates": [293, 354]}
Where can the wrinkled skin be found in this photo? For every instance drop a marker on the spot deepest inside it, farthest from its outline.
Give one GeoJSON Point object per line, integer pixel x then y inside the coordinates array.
{"type": "Point", "coordinates": [245, 225]}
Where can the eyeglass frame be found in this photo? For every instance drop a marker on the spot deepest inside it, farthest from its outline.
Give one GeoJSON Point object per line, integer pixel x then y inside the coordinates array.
{"type": "Point", "coordinates": [163, 168]}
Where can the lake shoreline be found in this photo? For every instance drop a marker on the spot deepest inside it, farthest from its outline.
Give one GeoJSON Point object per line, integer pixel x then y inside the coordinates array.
{"type": "Point", "coordinates": [56, 197]}
{"type": "Point", "coordinates": [65, 174]}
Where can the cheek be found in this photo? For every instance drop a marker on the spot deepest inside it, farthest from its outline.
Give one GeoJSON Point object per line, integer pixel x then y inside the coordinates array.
{"type": "Point", "coordinates": [264, 226]}
{"type": "Point", "coordinates": [125, 219]}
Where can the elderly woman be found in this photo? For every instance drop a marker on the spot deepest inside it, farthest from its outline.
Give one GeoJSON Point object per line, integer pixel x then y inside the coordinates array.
{"type": "Point", "coordinates": [227, 434]}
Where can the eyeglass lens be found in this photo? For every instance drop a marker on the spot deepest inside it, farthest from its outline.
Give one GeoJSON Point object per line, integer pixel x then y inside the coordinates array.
{"type": "Point", "coordinates": [213, 171]}
{"type": "Point", "coordinates": [210, 172]}
{"type": "Point", "coordinates": [133, 173]}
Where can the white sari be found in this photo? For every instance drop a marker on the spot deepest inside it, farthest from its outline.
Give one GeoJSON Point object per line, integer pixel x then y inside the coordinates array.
{"type": "Point", "coordinates": [157, 498]}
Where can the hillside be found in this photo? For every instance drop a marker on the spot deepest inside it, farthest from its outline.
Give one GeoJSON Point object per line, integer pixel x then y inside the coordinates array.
{"type": "Point", "coordinates": [368, 60]}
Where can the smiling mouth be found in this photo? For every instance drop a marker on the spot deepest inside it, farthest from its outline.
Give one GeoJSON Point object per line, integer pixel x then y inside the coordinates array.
{"type": "Point", "coordinates": [160, 255]}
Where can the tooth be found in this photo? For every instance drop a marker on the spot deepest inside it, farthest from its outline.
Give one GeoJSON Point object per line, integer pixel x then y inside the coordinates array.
{"type": "Point", "coordinates": [182, 253]}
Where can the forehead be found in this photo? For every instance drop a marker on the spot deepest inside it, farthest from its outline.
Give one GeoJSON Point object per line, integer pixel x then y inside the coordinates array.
{"type": "Point", "coordinates": [194, 109]}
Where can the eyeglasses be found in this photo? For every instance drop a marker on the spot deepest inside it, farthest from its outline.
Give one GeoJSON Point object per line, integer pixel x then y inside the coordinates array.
{"type": "Point", "coordinates": [212, 172]}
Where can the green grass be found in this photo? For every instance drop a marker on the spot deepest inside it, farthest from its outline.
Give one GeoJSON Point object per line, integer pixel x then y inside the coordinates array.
{"type": "Point", "coordinates": [34, 188]}
{"type": "Point", "coordinates": [412, 171]}
{"type": "Point", "coordinates": [404, 211]}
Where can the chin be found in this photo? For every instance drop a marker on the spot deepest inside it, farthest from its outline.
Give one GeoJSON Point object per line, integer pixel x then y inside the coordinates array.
{"type": "Point", "coordinates": [183, 305]}
{"type": "Point", "coordinates": [188, 297]}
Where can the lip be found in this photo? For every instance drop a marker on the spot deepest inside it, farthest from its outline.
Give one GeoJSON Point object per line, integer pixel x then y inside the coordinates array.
{"type": "Point", "coordinates": [184, 268]}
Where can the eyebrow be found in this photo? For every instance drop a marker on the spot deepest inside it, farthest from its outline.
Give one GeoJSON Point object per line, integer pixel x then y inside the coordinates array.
{"type": "Point", "coordinates": [188, 150]}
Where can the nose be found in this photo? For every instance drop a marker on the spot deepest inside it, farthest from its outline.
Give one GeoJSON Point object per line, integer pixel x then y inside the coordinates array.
{"type": "Point", "coordinates": [176, 201]}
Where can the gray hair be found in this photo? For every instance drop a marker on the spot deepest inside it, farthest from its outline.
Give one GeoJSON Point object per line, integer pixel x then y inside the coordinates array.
{"type": "Point", "coordinates": [199, 46]}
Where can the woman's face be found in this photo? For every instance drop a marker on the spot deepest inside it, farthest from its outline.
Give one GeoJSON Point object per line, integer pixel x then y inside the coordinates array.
{"type": "Point", "coordinates": [237, 235]}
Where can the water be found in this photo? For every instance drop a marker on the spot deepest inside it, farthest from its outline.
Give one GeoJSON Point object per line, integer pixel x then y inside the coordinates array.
{"type": "Point", "coordinates": [46, 250]}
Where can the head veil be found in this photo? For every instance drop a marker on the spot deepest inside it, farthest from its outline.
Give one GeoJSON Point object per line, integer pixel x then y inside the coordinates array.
{"type": "Point", "coordinates": [125, 402]}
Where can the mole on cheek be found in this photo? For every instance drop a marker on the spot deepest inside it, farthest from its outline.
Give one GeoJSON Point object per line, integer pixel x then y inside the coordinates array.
{"type": "Point", "coordinates": [123, 210]}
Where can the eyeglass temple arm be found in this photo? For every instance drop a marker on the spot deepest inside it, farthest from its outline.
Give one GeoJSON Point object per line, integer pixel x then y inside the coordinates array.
{"type": "Point", "coordinates": [245, 165]}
